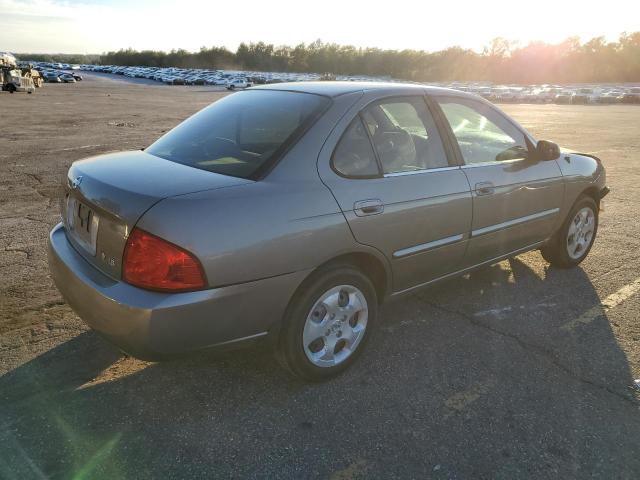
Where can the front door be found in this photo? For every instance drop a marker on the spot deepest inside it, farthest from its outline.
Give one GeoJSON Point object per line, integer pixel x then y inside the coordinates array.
{"type": "Point", "coordinates": [516, 200]}
{"type": "Point", "coordinates": [393, 181]}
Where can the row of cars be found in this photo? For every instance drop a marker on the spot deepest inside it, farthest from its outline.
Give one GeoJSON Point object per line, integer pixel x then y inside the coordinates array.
{"type": "Point", "coordinates": [231, 79]}
{"type": "Point", "coordinates": [56, 76]}
{"type": "Point", "coordinates": [236, 79]}
{"type": "Point", "coordinates": [170, 76]}
{"type": "Point", "coordinates": [572, 95]}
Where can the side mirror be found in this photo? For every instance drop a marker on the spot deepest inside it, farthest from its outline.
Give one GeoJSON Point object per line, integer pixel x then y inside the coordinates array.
{"type": "Point", "coordinates": [547, 150]}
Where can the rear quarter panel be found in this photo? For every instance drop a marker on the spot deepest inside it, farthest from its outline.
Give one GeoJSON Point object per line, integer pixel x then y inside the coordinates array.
{"type": "Point", "coordinates": [251, 232]}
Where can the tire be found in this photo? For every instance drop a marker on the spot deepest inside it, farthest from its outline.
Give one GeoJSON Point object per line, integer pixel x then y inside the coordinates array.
{"type": "Point", "coordinates": [558, 251]}
{"type": "Point", "coordinates": [349, 317]}
{"type": "Point", "coordinates": [11, 88]}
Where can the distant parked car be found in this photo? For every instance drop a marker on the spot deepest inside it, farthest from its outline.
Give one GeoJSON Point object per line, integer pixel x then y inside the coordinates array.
{"type": "Point", "coordinates": [257, 80]}
{"type": "Point", "coordinates": [51, 77]}
{"type": "Point", "coordinates": [293, 212]}
{"type": "Point", "coordinates": [632, 96]}
{"type": "Point", "coordinates": [172, 79]}
{"type": "Point", "coordinates": [67, 78]}
{"type": "Point", "coordinates": [548, 95]}
{"type": "Point", "coordinates": [609, 97]}
{"type": "Point", "coordinates": [585, 96]}
{"type": "Point", "coordinates": [237, 83]}
{"type": "Point", "coordinates": [507, 95]}
{"type": "Point", "coordinates": [564, 97]}
{"type": "Point", "coordinates": [198, 81]}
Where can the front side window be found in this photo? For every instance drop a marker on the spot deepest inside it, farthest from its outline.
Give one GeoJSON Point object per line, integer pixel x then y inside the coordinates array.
{"type": "Point", "coordinates": [405, 135]}
{"type": "Point", "coordinates": [240, 133]}
{"type": "Point", "coordinates": [482, 133]}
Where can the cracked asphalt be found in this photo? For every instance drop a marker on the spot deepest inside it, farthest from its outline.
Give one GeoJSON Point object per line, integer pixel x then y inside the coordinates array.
{"type": "Point", "coordinates": [514, 371]}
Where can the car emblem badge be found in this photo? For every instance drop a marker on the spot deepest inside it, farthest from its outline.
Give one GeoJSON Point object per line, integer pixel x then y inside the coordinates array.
{"type": "Point", "coordinates": [76, 182]}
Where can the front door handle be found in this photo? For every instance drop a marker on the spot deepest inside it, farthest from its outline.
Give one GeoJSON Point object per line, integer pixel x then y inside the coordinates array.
{"type": "Point", "coordinates": [485, 188]}
{"type": "Point", "coordinates": [373, 206]}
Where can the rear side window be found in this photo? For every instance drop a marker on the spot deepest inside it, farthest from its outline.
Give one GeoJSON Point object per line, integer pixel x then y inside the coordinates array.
{"type": "Point", "coordinates": [405, 135]}
{"type": "Point", "coordinates": [354, 157]}
{"type": "Point", "coordinates": [404, 115]}
{"type": "Point", "coordinates": [240, 133]}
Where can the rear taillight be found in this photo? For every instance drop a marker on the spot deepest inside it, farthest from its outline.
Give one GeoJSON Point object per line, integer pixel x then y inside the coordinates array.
{"type": "Point", "coordinates": [153, 263]}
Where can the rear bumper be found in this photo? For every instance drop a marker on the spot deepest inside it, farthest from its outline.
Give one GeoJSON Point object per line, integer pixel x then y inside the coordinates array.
{"type": "Point", "coordinates": [604, 192]}
{"type": "Point", "coordinates": [153, 325]}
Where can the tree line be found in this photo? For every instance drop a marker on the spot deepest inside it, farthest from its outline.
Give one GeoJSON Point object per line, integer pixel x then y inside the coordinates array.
{"type": "Point", "coordinates": [596, 60]}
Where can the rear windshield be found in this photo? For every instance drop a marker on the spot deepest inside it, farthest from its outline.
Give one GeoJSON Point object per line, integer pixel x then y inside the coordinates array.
{"type": "Point", "coordinates": [240, 133]}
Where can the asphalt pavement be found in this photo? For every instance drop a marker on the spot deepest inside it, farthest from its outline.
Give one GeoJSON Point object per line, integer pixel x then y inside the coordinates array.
{"type": "Point", "coordinates": [517, 370]}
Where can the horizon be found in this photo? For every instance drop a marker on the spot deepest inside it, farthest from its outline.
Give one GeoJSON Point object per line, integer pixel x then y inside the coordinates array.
{"type": "Point", "coordinates": [95, 27]}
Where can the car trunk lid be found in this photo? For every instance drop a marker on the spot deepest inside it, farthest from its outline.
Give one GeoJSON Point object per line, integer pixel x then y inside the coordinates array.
{"type": "Point", "coordinates": [106, 195]}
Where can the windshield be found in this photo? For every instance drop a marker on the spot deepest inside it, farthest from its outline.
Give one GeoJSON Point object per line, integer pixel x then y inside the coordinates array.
{"type": "Point", "coordinates": [240, 133]}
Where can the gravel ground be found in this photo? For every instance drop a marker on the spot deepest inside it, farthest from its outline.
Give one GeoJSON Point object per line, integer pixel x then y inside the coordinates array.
{"type": "Point", "coordinates": [515, 371]}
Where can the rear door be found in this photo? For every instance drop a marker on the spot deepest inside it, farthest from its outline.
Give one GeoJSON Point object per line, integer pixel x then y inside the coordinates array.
{"type": "Point", "coordinates": [390, 173]}
{"type": "Point", "coordinates": [516, 200]}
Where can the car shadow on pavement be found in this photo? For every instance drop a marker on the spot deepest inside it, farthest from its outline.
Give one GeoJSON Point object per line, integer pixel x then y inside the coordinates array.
{"type": "Point", "coordinates": [556, 313]}
{"type": "Point", "coordinates": [476, 377]}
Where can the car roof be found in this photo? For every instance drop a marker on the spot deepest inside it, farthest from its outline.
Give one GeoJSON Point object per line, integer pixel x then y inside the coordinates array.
{"type": "Point", "coordinates": [337, 88]}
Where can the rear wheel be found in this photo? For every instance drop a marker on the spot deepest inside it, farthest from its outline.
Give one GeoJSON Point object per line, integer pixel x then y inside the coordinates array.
{"type": "Point", "coordinates": [328, 323]}
{"type": "Point", "coordinates": [11, 88]}
{"type": "Point", "coordinates": [572, 243]}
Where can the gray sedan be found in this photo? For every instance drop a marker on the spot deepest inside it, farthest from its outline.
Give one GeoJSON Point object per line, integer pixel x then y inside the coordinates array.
{"type": "Point", "coordinates": [291, 212]}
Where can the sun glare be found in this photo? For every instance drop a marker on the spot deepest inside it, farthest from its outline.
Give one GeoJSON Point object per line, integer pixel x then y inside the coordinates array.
{"type": "Point", "coordinates": [48, 26]}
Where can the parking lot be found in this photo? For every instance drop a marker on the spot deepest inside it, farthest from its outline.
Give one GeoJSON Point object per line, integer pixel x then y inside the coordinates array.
{"type": "Point", "coordinates": [514, 371]}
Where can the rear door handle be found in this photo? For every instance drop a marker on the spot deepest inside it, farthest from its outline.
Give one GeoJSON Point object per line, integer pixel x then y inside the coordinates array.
{"type": "Point", "coordinates": [485, 188]}
{"type": "Point", "coordinates": [373, 206]}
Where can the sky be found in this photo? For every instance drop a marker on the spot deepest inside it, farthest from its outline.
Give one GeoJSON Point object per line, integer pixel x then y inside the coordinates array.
{"type": "Point", "coordinates": [97, 26]}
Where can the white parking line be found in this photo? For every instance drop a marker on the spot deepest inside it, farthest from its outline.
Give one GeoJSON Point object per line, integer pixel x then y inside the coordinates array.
{"type": "Point", "coordinates": [611, 301]}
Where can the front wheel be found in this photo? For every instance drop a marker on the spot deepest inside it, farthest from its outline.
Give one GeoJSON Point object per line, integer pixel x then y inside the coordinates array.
{"type": "Point", "coordinates": [328, 323]}
{"type": "Point", "coordinates": [572, 243]}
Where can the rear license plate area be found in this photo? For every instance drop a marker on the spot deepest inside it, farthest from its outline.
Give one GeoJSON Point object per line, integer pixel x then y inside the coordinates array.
{"type": "Point", "coordinates": [82, 222]}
